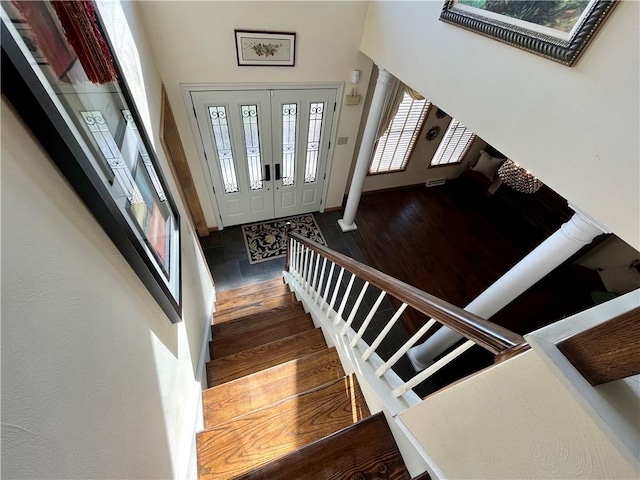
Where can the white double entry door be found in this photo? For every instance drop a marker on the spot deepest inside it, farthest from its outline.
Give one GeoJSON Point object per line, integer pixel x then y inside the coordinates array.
{"type": "Point", "coordinates": [266, 150]}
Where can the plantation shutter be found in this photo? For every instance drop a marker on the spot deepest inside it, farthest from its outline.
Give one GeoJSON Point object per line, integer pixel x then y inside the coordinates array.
{"type": "Point", "coordinates": [394, 146]}
{"type": "Point", "coordinates": [454, 145]}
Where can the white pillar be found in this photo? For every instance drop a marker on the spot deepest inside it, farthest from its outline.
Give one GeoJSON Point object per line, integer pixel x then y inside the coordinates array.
{"type": "Point", "coordinates": [347, 223]}
{"type": "Point", "coordinates": [570, 237]}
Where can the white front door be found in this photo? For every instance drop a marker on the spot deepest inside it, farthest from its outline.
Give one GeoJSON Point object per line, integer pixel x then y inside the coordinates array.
{"type": "Point", "coordinates": [301, 123]}
{"type": "Point", "coordinates": [236, 133]}
{"type": "Point", "coordinates": [266, 150]}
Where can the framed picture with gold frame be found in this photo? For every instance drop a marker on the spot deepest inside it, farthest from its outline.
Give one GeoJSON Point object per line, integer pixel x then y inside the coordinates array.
{"type": "Point", "coordinates": [558, 29]}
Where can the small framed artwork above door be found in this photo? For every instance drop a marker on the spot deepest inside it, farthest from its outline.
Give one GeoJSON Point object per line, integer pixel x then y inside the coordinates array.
{"type": "Point", "coordinates": [267, 149]}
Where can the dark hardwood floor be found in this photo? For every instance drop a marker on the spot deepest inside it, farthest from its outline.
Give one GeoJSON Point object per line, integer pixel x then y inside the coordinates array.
{"type": "Point", "coordinates": [454, 241]}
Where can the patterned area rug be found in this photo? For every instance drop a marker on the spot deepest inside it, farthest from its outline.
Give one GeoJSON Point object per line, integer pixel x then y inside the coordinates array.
{"type": "Point", "coordinates": [266, 240]}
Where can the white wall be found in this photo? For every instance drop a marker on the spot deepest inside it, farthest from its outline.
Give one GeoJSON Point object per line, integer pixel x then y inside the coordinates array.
{"type": "Point", "coordinates": [193, 42]}
{"type": "Point", "coordinates": [574, 128]}
{"type": "Point", "coordinates": [515, 420]}
{"type": "Point", "coordinates": [97, 383]}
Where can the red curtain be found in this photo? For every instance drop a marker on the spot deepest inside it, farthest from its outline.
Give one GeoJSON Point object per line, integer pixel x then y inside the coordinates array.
{"type": "Point", "coordinates": [78, 19]}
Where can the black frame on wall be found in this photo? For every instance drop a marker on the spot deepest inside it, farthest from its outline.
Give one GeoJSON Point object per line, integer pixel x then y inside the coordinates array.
{"type": "Point", "coordinates": [22, 88]}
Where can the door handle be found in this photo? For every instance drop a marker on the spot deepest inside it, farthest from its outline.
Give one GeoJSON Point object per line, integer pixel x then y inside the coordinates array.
{"type": "Point", "coordinates": [278, 176]}
{"type": "Point", "coordinates": [267, 173]}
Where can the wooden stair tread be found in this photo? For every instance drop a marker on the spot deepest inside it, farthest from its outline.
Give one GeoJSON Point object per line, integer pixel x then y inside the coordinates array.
{"type": "Point", "coordinates": [242, 325]}
{"type": "Point", "coordinates": [250, 297]}
{"type": "Point", "coordinates": [249, 289]}
{"type": "Point", "coordinates": [270, 386]}
{"type": "Point", "coordinates": [239, 445]}
{"type": "Point", "coordinates": [243, 363]}
{"type": "Point", "coordinates": [366, 447]}
{"type": "Point", "coordinates": [252, 308]}
{"type": "Point", "coordinates": [223, 346]}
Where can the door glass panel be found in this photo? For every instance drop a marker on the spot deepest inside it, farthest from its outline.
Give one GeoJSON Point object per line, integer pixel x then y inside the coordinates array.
{"type": "Point", "coordinates": [222, 140]}
{"type": "Point", "coordinates": [252, 145]}
{"type": "Point", "coordinates": [289, 123]}
{"type": "Point", "coordinates": [313, 141]}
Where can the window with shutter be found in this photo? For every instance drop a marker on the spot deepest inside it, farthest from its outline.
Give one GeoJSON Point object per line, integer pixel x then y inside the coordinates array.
{"type": "Point", "coordinates": [454, 145]}
{"type": "Point", "coordinates": [394, 147]}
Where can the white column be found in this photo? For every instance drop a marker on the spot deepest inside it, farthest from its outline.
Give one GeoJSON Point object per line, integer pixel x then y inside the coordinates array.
{"type": "Point", "coordinates": [347, 223]}
{"type": "Point", "coordinates": [570, 237]}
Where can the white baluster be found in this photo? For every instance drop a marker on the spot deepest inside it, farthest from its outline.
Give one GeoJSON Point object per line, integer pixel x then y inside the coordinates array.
{"type": "Point", "coordinates": [335, 290]}
{"type": "Point", "coordinates": [291, 254]}
{"type": "Point", "coordinates": [295, 258]}
{"type": "Point", "coordinates": [321, 281]}
{"type": "Point", "coordinates": [329, 277]}
{"type": "Point", "coordinates": [412, 341]}
{"type": "Point", "coordinates": [385, 331]}
{"type": "Point", "coordinates": [298, 261]}
{"type": "Point", "coordinates": [422, 376]}
{"type": "Point", "coordinates": [315, 274]}
{"type": "Point", "coordinates": [344, 299]}
{"type": "Point", "coordinates": [312, 262]}
{"type": "Point", "coordinates": [305, 266]}
{"type": "Point", "coordinates": [355, 308]}
{"type": "Point", "coordinates": [309, 270]}
{"type": "Point", "coordinates": [367, 320]}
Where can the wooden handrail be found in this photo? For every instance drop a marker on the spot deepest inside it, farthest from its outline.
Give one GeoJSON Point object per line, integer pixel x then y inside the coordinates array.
{"type": "Point", "coordinates": [494, 338]}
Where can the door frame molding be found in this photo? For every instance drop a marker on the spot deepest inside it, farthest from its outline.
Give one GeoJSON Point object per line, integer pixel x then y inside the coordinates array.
{"type": "Point", "coordinates": [188, 88]}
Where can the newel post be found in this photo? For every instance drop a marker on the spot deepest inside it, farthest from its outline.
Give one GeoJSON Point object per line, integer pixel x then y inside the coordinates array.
{"type": "Point", "coordinates": [287, 229]}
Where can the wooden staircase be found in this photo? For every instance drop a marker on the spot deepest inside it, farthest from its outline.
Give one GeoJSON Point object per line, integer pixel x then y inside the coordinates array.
{"type": "Point", "coordinates": [279, 405]}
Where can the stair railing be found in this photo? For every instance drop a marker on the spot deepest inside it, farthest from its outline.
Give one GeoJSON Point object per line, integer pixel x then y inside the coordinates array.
{"type": "Point", "coordinates": [307, 262]}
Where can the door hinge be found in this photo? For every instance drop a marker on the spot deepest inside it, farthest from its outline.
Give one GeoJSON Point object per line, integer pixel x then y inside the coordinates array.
{"type": "Point", "coordinates": [334, 106]}
{"type": "Point", "coordinates": [320, 201]}
{"type": "Point", "coordinates": [325, 176]}
{"type": "Point", "coordinates": [329, 146]}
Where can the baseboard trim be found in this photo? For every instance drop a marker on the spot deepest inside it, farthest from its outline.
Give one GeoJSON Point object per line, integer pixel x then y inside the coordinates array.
{"type": "Point", "coordinates": [204, 348]}
{"type": "Point", "coordinates": [379, 190]}
{"type": "Point", "coordinates": [391, 189]}
{"type": "Point", "coordinates": [190, 469]}
{"type": "Point", "coordinates": [332, 209]}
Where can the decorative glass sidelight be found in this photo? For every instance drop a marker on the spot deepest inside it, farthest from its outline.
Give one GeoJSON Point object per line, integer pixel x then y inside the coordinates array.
{"type": "Point", "coordinates": [252, 145]}
{"type": "Point", "coordinates": [222, 139]}
{"type": "Point", "coordinates": [289, 126]}
{"type": "Point", "coordinates": [316, 112]}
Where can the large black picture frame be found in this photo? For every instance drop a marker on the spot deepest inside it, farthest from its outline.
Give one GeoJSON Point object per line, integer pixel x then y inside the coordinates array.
{"type": "Point", "coordinates": [566, 52]}
{"type": "Point", "coordinates": [22, 88]}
